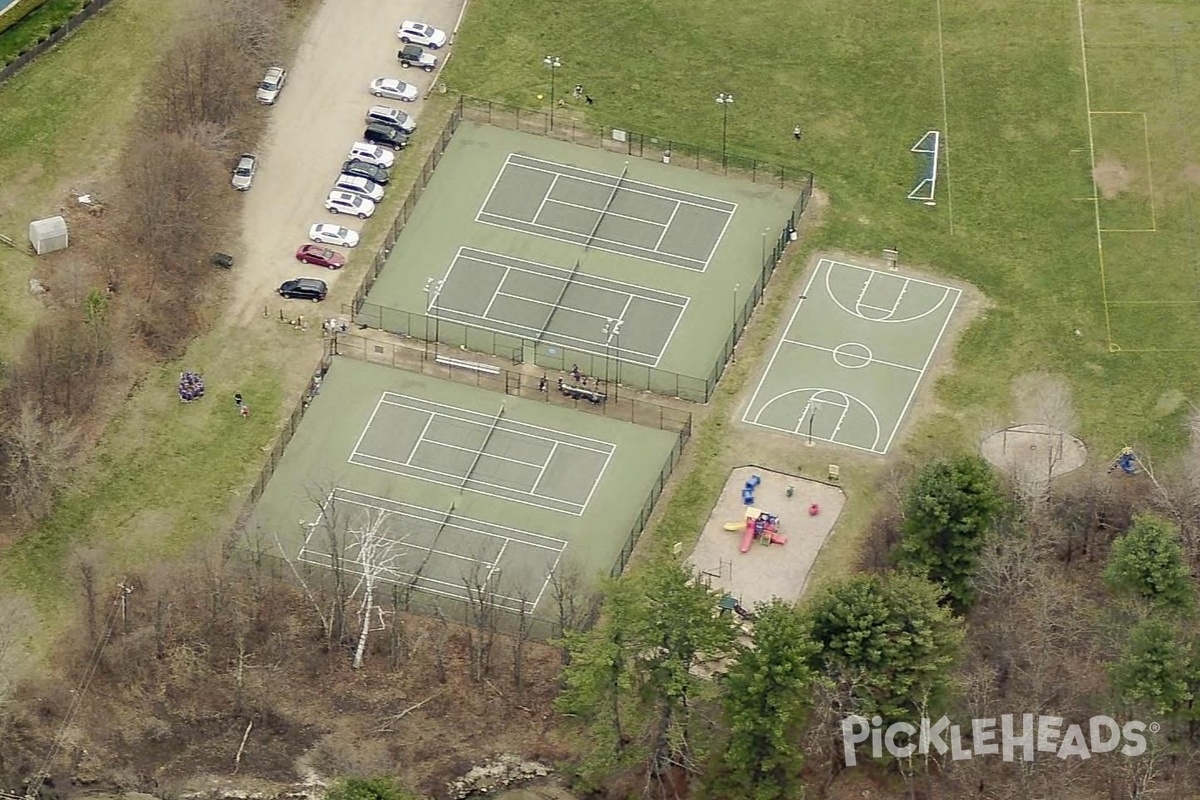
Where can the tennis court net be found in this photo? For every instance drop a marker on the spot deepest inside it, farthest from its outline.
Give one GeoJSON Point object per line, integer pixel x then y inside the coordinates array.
{"type": "Point", "coordinates": [557, 303]}
{"type": "Point", "coordinates": [604, 211]}
{"type": "Point", "coordinates": [482, 447]}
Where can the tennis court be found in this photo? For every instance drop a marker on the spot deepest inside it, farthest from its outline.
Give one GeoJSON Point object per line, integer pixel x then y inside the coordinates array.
{"type": "Point", "coordinates": [564, 307]}
{"type": "Point", "coordinates": [606, 212]}
{"type": "Point", "coordinates": [482, 453]}
{"type": "Point", "coordinates": [852, 356]}
{"type": "Point", "coordinates": [438, 547]}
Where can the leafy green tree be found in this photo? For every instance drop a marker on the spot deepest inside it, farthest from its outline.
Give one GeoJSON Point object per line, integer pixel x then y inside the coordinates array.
{"type": "Point", "coordinates": [766, 699]}
{"type": "Point", "coordinates": [367, 789]}
{"type": "Point", "coordinates": [886, 643]}
{"type": "Point", "coordinates": [655, 626]}
{"type": "Point", "coordinates": [948, 512]}
{"type": "Point", "coordinates": [1147, 561]}
{"type": "Point", "coordinates": [1157, 671]}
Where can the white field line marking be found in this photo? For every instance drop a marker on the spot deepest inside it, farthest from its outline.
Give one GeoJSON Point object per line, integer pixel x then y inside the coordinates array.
{"type": "Point", "coordinates": [945, 137]}
{"type": "Point", "coordinates": [608, 180]}
{"type": "Point", "coordinates": [1087, 98]}
{"type": "Point", "coordinates": [449, 446]}
{"type": "Point", "coordinates": [610, 213]}
{"type": "Point", "coordinates": [488, 198]}
{"type": "Point", "coordinates": [814, 398]}
{"type": "Point", "coordinates": [420, 438]}
{"type": "Point", "coordinates": [627, 186]}
{"type": "Point", "coordinates": [599, 476]}
{"type": "Point", "coordinates": [366, 428]}
{"type": "Point", "coordinates": [533, 329]}
{"type": "Point", "coordinates": [924, 368]}
{"type": "Point", "coordinates": [671, 335]}
{"type": "Point", "coordinates": [872, 359]}
{"type": "Point", "coordinates": [495, 565]}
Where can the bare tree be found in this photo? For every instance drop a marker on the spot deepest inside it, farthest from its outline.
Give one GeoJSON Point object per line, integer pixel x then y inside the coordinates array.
{"type": "Point", "coordinates": [575, 602]}
{"type": "Point", "coordinates": [18, 621]}
{"type": "Point", "coordinates": [483, 613]}
{"type": "Point", "coordinates": [87, 561]}
{"type": "Point", "coordinates": [375, 557]}
{"type": "Point", "coordinates": [36, 456]}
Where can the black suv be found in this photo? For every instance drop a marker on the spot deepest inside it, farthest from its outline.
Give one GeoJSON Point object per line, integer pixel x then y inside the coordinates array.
{"type": "Point", "coordinates": [412, 55]}
{"type": "Point", "coordinates": [304, 289]}
{"type": "Point", "coordinates": [364, 170]}
{"type": "Point", "coordinates": [385, 135]}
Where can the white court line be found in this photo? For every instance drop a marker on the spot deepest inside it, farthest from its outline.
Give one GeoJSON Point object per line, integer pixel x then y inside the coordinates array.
{"type": "Point", "coordinates": [583, 237]}
{"type": "Point", "coordinates": [720, 238]}
{"type": "Point", "coordinates": [883, 321]}
{"type": "Point", "coordinates": [594, 281]}
{"type": "Point", "coordinates": [495, 565]}
{"type": "Point", "coordinates": [457, 478]}
{"type": "Point", "coordinates": [535, 329]}
{"type": "Point", "coordinates": [420, 438]}
{"type": "Point", "coordinates": [642, 220]}
{"type": "Point", "coordinates": [924, 367]}
{"type": "Point", "coordinates": [787, 329]}
{"type": "Point", "coordinates": [506, 424]}
{"type": "Point", "coordinates": [1087, 98]}
{"type": "Point", "coordinates": [495, 182]}
{"type": "Point", "coordinates": [667, 227]}
{"type": "Point", "coordinates": [833, 350]}
{"type": "Point", "coordinates": [545, 199]}
{"type": "Point", "coordinates": [596, 482]}
{"type": "Point", "coordinates": [437, 515]}
{"type": "Point", "coordinates": [495, 293]}
{"type": "Point", "coordinates": [725, 206]}
{"type": "Point", "coordinates": [542, 472]}
{"type": "Point", "coordinates": [945, 137]}
{"type": "Point", "coordinates": [552, 338]}
{"type": "Point", "coordinates": [866, 407]}
{"type": "Point", "coordinates": [620, 318]}
{"type": "Point", "coordinates": [449, 446]}
{"type": "Point", "coordinates": [671, 335]}
{"type": "Point", "coordinates": [367, 427]}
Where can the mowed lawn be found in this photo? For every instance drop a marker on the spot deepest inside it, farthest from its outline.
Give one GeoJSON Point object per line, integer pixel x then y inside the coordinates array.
{"type": "Point", "coordinates": [864, 80]}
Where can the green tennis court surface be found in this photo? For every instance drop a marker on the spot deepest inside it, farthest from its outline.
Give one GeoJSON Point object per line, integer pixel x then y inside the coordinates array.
{"type": "Point", "coordinates": [547, 252]}
{"type": "Point", "coordinates": [549, 304]}
{"type": "Point", "coordinates": [477, 452]}
{"type": "Point", "coordinates": [852, 357]}
{"type": "Point", "coordinates": [606, 212]}
{"type": "Point", "coordinates": [468, 486]}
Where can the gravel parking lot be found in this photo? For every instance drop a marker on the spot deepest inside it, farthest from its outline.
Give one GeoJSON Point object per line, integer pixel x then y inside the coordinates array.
{"type": "Point", "coordinates": [316, 119]}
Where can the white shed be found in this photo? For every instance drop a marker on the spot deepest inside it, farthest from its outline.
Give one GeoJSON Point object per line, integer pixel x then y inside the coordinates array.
{"type": "Point", "coordinates": [48, 235]}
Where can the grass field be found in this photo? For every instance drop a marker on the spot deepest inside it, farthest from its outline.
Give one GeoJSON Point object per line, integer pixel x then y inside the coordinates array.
{"type": "Point", "coordinates": [61, 130]}
{"type": "Point", "coordinates": [1005, 84]}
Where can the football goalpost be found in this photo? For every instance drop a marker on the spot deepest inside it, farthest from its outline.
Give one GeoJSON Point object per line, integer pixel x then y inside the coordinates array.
{"type": "Point", "coordinates": [927, 150]}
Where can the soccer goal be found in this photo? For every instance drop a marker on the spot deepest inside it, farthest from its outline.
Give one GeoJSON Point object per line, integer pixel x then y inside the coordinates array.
{"type": "Point", "coordinates": [927, 150]}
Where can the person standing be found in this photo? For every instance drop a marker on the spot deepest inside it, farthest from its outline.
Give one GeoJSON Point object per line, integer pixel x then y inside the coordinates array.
{"type": "Point", "coordinates": [238, 401]}
{"type": "Point", "coordinates": [542, 384]}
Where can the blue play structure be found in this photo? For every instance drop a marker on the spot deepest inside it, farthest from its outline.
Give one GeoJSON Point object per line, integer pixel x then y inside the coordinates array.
{"type": "Point", "coordinates": [748, 489]}
{"type": "Point", "coordinates": [1126, 461]}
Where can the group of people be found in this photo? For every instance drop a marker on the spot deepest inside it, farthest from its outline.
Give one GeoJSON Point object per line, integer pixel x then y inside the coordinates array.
{"type": "Point", "coordinates": [191, 387]}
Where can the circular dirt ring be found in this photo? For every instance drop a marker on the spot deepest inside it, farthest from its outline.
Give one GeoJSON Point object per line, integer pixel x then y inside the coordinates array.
{"type": "Point", "coordinates": [1034, 449]}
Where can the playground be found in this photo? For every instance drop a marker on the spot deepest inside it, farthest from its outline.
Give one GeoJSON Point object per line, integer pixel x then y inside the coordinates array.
{"type": "Point", "coordinates": [559, 254]}
{"type": "Point", "coordinates": [467, 486]}
{"type": "Point", "coordinates": [753, 559]}
{"type": "Point", "coordinates": [852, 357]}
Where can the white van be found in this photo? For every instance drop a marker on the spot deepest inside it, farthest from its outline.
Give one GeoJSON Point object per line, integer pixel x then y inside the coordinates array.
{"type": "Point", "coordinates": [372, 154]}
{"type": "Point", "coordinates": [359, 186]}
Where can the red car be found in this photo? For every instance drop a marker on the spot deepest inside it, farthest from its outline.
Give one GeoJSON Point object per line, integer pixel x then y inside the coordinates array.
{"type": "Point", "coordinates": [321, 256]}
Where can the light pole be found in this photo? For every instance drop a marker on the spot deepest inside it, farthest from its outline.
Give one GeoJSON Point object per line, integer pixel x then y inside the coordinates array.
{"type": "Point", "coordinates": [726, 100]}
{"type": "Point", "coordinates": [612, 330]}
{"type": "Point", "coordinates": [736, 287]}
{"type": "Point", "coordinates": [433, 289]}
{"type": "Point", "coordinates": [553, 62]}
{"type": "Point", "coordinates": [764, 245]}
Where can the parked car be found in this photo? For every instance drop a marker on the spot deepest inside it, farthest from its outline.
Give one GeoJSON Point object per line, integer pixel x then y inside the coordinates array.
{"type": "Point", "coordinates": [394, 89]}
{"type": "Point", "coordinates": [360, 186]}
{"type": "Point", "coordinates": [304, 289]}
{"type": "Point", "coordinates": [328, 233]}
{"type": "Point", "coordinates": [422, 34]}
{"type": "Point", "coordinates": [271, 85]}
{"type": "Point", "coordinates": [320, 256]}
{"type": "Point", "coordinates": [387, 115]}
{"type": "Point", "coordinates": [372, 154]}
{"type": "Point", "coordinates": [412, 55]}
{"type": "Point", "coordinates": [364, 170]}
{"type": "Point", "coordinates": [243, 171]}
{"type": "Point", "coordinates": [385, 135]}
{"type": "Point", "coordinates": [348, 203]}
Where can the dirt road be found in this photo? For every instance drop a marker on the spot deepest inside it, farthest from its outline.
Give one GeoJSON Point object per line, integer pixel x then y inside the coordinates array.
{"type": "Point", "coordinates": [314, 122]}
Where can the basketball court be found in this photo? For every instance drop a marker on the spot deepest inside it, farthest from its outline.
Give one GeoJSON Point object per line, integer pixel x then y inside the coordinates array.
{"type": "Point", "coordinates": [852, 356]}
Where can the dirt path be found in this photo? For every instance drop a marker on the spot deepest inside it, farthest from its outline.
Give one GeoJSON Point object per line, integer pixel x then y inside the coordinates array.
{"type": "Point", "coordinates": [318, 116]}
